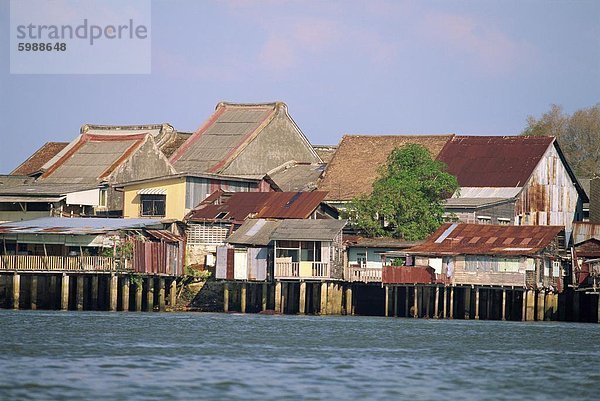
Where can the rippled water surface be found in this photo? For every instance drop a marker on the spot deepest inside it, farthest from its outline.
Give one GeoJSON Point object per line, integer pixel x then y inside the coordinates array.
{"type": "Point", "coordinates": [97, 355]}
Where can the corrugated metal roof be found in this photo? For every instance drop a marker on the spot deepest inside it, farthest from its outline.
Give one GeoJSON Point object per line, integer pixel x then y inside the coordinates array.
{"type": "Point", "coordinates": [255, 232]}
{"type": "Point", "coordinates": [36, 189]}
{"type": "Point", "coordinates": [355, 165]}
{"type": "Point", "coordinates": [308, 230]}
{"type": "Point", "coordinates": [583, 231]}
{"type": "Point", "coordinates": [489, 192]}
{"type": "Point", "coordinates": [164, 235]}
{"type": "Point", "coordinates": [484, 239]}
{"type": "Point", "coordinates": [40, 157]}
{"type": "Point", "coordinates": [379, 242]}
{"type": "Point", "coordinates": [239, 206]}
{"type": "Point", "coordinates": [75, 225]}
{"type": "Point", "coordinates": [474, 202]}
{"type": "Point", "coordinates": [494, 161]}
{"type": "Point", "coordinates": [225, 132]}
{"type": "Point", "coordinates": [42, 199]}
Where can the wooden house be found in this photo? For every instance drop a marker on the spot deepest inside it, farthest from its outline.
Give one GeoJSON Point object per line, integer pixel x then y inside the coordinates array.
{"type": "Point", "coordinates": [512, 180]}
{"type": "Point", "coordinates": [244, 139]}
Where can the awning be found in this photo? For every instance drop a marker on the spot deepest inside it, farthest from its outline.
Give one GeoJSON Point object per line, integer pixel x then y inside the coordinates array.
{"type": "Point", "coordinates": [152, 191]}
{"type": "Point", "coordinates": [42, 199]}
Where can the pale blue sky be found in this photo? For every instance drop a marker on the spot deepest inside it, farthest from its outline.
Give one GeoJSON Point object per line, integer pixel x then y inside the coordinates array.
{"type": "Point", "coordinates": [372, 67]}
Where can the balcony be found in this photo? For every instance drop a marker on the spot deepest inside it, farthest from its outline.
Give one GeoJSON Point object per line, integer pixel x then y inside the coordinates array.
{"type": "Point", "coordinates": [38, 263]}
{"type": "Point", "coordinates": [285, 269]}
{"type": "Point", "coordinates": [362, 274]}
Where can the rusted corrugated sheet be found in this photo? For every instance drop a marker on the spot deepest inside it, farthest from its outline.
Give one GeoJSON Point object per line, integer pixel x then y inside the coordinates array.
{"type": "Point", "coordinates": [164, 235]}
{"type": "Point", "coordinates": [240, 205]}
{"type": "Point", "coordinates": [483, 239]}
{"type": "Point", "coordinates": [491, 161]}
{"type": "Point", "coordinates": [583, 231]}
{"type": "Point", "coordinates": [408, 275]}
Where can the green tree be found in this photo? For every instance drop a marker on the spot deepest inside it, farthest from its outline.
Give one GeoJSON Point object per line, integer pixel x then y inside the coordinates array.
{"type": "Point", "coordinates": [406, 201]}
{"type": "Point", "coordinates": [578, 136]}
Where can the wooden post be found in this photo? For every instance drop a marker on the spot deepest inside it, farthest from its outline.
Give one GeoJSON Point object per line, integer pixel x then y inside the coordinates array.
{"type": "Point", "coordinates": [94, 292]}
{"type": "Point", "coordinates": [467, 311]}
{"type": "Point", "coordinates": [79, 292]}
{"type": "Point", "coordinates": [444, 300]}
{"type": "Point", "coordinates": [555, 306]}
{"type": "Point", "coordinates": [416, 302]}
{"type": "Point", "coordinates": [284, 297]}
{"type": "Point", "coordinates": [138, 296]}
{"type": "Point", "coordinates": [173, 293]}
{"type": "Point", "coordinates": [477, 303]}
{"type": "Point", "coordinates": [330, 299]}
{"type": "Point", "coordinates": [349, 304]}
{"type": "Point", "coordinates": [125, 294]}
{"type": "Point", "coordinates": [530, 305]}
{"type": "Point", "coordinates": [226, 297]}
{"type": "Point", "coordinates": [323, 306]}
{"type": "Point", "coordinates": [34, 292]}
{"type": "Point", "coordinates": [243, 296]}
{"type": "Point", "coordinates": [52, 291]}
{"type": "Point", "coordinates": [540, 305]}
{"type": "Point", "coordinates": [264, 296]}
{"type": "Point", "coordinates": [503, 303]}
{"type": "Point", "coordinates": [406, 302]}
{"type": "Point", "coordinates": [451, 302]}
{"type": "Point", "coordinates": [436, 304]}
{"type": "Point", "coordinates": [64, 292]}
{"type": "Point", "coordinates": [524, 305]}
{"type": "Point", "coordinates": [598, 311]}
{"type": "Point", "coordinates": [161, 294]}
{"type": "Point", "coordinates": [16, 290]}
{"type": "Point", "coordinates": [302, 302]}
{"type": "Point", "coordinates": [112, 292]}
{"type": "Point", "coordinates": [278, 297]}
{"type": "Point", "coordinates": [395, 303]}
{"type": "Point", "coordinates": [575, 306]}
{"type": "Point", "coordinates": [387, 301]}
{"type": "Point", "coordinates": [149, 294]}
{"type": "Point", "coordinates": [427, 300]}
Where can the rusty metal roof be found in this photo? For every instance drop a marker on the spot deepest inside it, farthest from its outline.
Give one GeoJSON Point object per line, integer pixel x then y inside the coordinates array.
{"type": "Point", "coordinates": [75, 225]}
{"type": "Point", "coordinates": [239, 206]}
{"type": "Point", "coordinates": [164, 235]}
{"type": "Point", "coordinates": [494, 161]}
{"type": "Point", "coordinates": [484, 239]}
{"type": "Point", "coordinates": [40, 157]}
{"type": "Point", "coordinates": [378, 242]}
{"type": "Point", "coordinates": [583, 231]}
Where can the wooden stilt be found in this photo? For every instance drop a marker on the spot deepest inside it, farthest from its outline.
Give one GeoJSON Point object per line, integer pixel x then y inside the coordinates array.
{"type": "Point", "coordinates": [477, 303]}
{"type": "Point", "coordinates": [138, 297]}
{"type": "Point", "coordinates": [395, 293]}
{"type": "Point", "coordinates": [243, 296]}
{"type": "Point", "coordinates": [436, 304]}
{"type": "Point", "coordinates": [94, 292]}
{"type": "Point", "coordinates": [125, 294]}
{"type": "Point", "coordinates": [451, 303]}
{"type": "Point", "coordinates": [149, 294]}
{"type": "Point", "coordinates": [265, 288]}
{"type": "Point", "coordinates": [540, 305]}
{"type": "Point", "coordinates": [504, 304]}
{"type": "Point", "coordinates": [173, 293]}
{"type": "Point", "coordinates": [444, 299]}
{"type": "Point", "coordinates": [302, 300]}
{"type": "Point", "coordinates": [225, 297]}
{"type": "Point", "coordinates": [64, 292]}
{"type": "Point", "coordinates": [349, 301]}
{"type": "Point", "coordinates": [113, 291]}
{"type": "Point", "coordinates": [467, 312]}
{"type": "Point", "coordinates": [323, 295]}
{"type": "Point", "coordinates": [79, 292]}
{"type": "Point", "coordinates": [416, 302]}
{"type": "Point", "coordinates": [387, 301]}
{"type": "Point", "coordinates": [278, 297]}
{"type": "Point", "coordinates": [16, 290]}
{"type": "Point", "coordinates": [33, 299]}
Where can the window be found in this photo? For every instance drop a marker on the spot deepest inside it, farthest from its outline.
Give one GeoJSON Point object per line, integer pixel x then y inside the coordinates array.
{"type": "Point", "coordinates": [484, 220]}
{"type": "Point", "coordinates": [503, 221]}
{"type": "Point", "coordinates": [153, 205]}
{"type": "Point", "coordinates": [102, 197]}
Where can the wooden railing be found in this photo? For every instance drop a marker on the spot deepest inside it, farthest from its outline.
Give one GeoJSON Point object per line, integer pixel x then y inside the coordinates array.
{"type": "Point", "coordinates": [363, 274]}
{"type": "Point", "coordinates": [287, 269]}
{"type": "Point", "coordinates": [61, 263]}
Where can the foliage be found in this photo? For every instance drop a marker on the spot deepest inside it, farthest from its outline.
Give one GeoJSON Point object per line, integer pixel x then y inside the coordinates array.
{"type": "Point", "coordinates": [578, 136]}
{"type": "Point", "coordinates": [398, 262]}
{"type": "Point", "coordinates": [406, 201]}
{"type": "Point", "coordinates": [197, 275]}
{"type": "Point", "coordinates": [123, 249]}
{"type": "Point", "coordinates": [137, 280]}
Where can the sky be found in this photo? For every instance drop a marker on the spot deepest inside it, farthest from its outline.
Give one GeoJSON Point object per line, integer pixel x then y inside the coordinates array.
{"type": "Point", "coordinates": [342, 67]}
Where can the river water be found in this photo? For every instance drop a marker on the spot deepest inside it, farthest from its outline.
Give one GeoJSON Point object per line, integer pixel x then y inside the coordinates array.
{"type": "Point", "coordinates": [117, 356]}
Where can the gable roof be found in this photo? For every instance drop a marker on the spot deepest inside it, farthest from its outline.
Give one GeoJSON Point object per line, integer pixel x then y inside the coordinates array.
{"type": "Point", "coordinates": [294, 176]}
{"type": "Point", "coordinates": [494, 161]}
{"type": "Point", "coordinates": [91, 158]}
{"type": "Point", "coordinates": [254, 232]}
{"type": "Point", "coordinates": [40, 157]}
{"type": "Point", "coordinates": [238, 206]}
{"type": "Point", "coordinates": [355, 165]}
{"type": "Point", "coordinates": [230, 128]}
{"type": "Point", "coordinates": [486, 239]}
{"type": "Point", "coordinates": [308, 230]}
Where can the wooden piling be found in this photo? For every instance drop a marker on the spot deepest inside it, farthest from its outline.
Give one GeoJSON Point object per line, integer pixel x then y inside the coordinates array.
{"type": "Point", "coordinates": [395, 303]}
{"type": "Point", "coordinates": [323, 294]}
{"type": "Point", "coordinates": [451, 309]}
{"type": "Point", "coordinates": [149, 294]}
{"type": "Point", "coordinates": [416, 302]}
{"type": "Point", "coordinates": [530, 315]}
{"type": "Point", "coordinates": [225, 297]}
{"type": "Point", "coordinates": [64, 292]}
{"type": "Point", "coordinates": [284, 297]}
{"type": "Point", "coordinates": [16, 290]}
{"type": "Point", "coordinates": [503, 303]}
{"type": "Point", "coordinates": [113, 290]}
{"type": "Point", "coordinates": [94, 292]}
{"type": "Point", "coordinates": [278, 297]}
{"type": "Point", "coordinates": [243, 296]}
{"type": "Point", "coordinates": [349, 301]}
{"type": "Point", "coordinates": [477, 303]}
{"type": "Point", "coordinates": [52, 292]}
{"type": "Point", "coordinates": [79, 292]}
{"type": "Point", "coordinates": [302, 301]}
{"type": "Point", "coordinates": [436, 304]}
{"type": "Point", "coordinates": [264, 296]}
{"type": "Point", "coordinates": [161, 294]}
{"type": "Point", "coordinates": [33, 289]}
{"type": "Point", "coordinates": [173, 293]}
{"type": "Point", "coordinates": [138, 297]}
{"type": "Point", "coordinates": [444, 300]}
{"type": "Point", "coordinates": [467, 311]}
{"type": "Point", "coordinates": [540, 305]}
{"type": "Point", "coordinates": [125, 294]}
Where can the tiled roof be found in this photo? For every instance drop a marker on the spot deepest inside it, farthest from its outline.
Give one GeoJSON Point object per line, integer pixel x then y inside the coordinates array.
{"type": "Point", "coordinates": [238, 206]}
{"type": "Point", "coordinates": [91, 158]}
{"type": "Point", "coordinates": [355, 165]}
{"type": "Point", "coordinates": [227, 131]}
{"type": "Point", "coordinates": [494, 161]}
{"type": "Point", "coordinates": [40, 157]}
{"type": "Point", "coordinates": [484, 239]}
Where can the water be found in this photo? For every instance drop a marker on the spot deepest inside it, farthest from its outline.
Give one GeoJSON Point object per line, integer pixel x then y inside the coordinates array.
{"type": "Point", "coordinates": [118, 356]}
